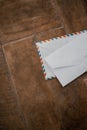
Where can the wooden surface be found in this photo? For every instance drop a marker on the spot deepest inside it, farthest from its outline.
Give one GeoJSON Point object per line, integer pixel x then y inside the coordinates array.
{"type": "Point", "coordinates": [27, 101]}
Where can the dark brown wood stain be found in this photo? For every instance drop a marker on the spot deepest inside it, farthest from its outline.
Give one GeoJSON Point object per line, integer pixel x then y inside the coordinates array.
{"type": "Point", "coordinates": [27, 101]}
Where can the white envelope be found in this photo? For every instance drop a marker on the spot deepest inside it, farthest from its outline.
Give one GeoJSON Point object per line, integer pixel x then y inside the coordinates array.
{"type": "Point", "coordinates": [70, 61]}
{"type": "Point", "coordinates": [49, 46]}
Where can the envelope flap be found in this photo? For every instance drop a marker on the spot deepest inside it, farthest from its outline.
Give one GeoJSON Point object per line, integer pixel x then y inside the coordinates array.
{"type": "Point", "coordinates": [72, 54]}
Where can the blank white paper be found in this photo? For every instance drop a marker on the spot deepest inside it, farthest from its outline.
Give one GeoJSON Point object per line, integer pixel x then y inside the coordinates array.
{"type": "Point", "coordinates": [49, 46]}
{"type": "Point", "coordinates": [70, 61]}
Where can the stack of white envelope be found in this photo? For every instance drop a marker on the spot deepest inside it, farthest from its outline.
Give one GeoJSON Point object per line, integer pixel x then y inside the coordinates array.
{"type": "Point", "coordinates": [64, 58]}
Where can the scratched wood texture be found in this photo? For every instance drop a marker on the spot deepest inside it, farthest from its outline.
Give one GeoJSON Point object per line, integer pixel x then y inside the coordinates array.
{"type": "Point", "coordinates": [27, 101]}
